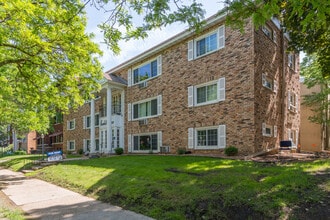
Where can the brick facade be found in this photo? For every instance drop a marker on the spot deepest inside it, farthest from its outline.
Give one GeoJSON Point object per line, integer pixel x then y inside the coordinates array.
{"type": "Point", "coordinates": [253, 116]}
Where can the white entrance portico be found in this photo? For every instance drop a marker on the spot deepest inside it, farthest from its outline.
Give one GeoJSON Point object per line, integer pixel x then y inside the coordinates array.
{"type": "Point", "coordinates": [111, 117]}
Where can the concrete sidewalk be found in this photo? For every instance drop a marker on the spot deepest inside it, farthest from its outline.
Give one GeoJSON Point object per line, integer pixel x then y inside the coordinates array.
{"type": "Point", "coordinates": [42, 200]}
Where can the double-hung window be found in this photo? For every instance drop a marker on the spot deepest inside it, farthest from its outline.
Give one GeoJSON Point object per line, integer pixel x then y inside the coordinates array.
{"type": "Point", "coordinates": [207, 137]}
{"type": "Point", "coordinates": [293, 136]}
{"type": "Point", "coordinates": [144, 72]}
{"type": "Point", "coordinates": [269, 33]}
{"type": "Point", "coordinates": [292, 61]}
{"type": "Point", "coordinates": [71, 124]}
{"type": "Point", "coordinates": [71, 145]}
{"type": "Point", "coordinates": [207, 93]}
{"type": "Point", "coordinates": [145, 109]}
{"type": "Point", "coordinates": [292, 101]}
{"type": "Point", "coordinates": [87, 121]}
{"type": "Point", "coordinates": [145, 142]}
{"type": "Point", "coordinates": [207, 43]}
{"type": "Point", "coordinates": [269, 83]}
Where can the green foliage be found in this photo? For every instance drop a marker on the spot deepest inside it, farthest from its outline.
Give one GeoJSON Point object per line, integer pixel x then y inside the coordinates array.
{"type": "Point", "coordinates": [318, 101]}
{"type": "Point", "coordinates": [47, 61]}
{"type": "Point", "coordinates": [231, 151]}
{"type": "Point", "coordinates": [20, 152]}
{"type": "Point", "coordinates": [121, 23]}
{"type": "Point", "coordinates": [11, 214]}
{"type": "Point", "coordinates": [306, 21]}
{"type": "Point", "coordinates": [80, 151]}
{"type": "Point", "coordinates": [181, 151]}
{"type": "Point", "coordinates": [119, 151]}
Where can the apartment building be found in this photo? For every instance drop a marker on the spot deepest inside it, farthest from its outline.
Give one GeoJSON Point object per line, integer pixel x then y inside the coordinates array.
{"type": "Point", "coordinates": [199, 91]}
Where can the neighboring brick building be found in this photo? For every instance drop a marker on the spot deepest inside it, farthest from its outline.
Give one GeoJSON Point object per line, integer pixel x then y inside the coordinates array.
{"type": "Point", "coordinates": [207, 91]}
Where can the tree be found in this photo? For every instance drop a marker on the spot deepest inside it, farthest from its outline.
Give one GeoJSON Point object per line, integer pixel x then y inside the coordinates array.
{"type": "Point", "coordinates": [307, 22]}
{"type": "Point", "coordinates": [123, 15]}
{"type": "Point", "coordinates": [318, 102]}
{"type": "Point", "coordinates": [47, 61]}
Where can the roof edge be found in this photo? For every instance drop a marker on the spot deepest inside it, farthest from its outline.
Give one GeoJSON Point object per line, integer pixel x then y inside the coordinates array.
{"type": "Point", "coordinates": [167, 43]}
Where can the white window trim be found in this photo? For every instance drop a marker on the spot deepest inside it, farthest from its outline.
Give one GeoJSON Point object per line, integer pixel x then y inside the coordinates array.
{"type": "Point", "coordinates": [264, 129]}
{"type": "Point", "coordinates": [68, 145]}
{"type": "Point", "coordinates": [296, 135]}
{"type": "Point", "coordinates": [265, 79]}
{"type": "Point", "coordinates": [130, 72]}
{"type": "Point", "coordinates": [68, 124]}
{"type": "Point", "coordinates": [131, 108]}
{"type": "Point", "coordinates": [221, 92]}
{"type": "Point", "coordinates": [131, 141]}
{"type": "Point", "coordinates": [221, 135]}
{"type": "Point", "coordinates": [192, 50]}
{"type": "Point", "coordinates": [292, 107]}
{"type": "Point", "coordinates": [99, 120]}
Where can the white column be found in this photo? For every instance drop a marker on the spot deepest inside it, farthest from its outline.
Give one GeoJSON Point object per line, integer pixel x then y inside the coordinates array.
{"type": "Point", "coordinates": [92, 126]}
{"type": "Point", "coordinates": [122, 125]}
{"type": "Point", "coordinates": [109, 120]}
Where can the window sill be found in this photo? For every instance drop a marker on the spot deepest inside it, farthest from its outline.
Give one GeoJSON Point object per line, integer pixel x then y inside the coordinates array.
{"type": "Point", "coordinates": [206, 54]}
{"type": "Point", "coordinates": [146, 80]}
{"type": "Point", "coordinates": [207, 147]}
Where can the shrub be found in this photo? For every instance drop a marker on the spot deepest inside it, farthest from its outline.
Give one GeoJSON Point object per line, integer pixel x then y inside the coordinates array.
{"type": "Point", "coordinates": [181, 151]}
{"type": "Point", "coordinates": [80, 151]}
{"type": "Point", "coordinates": [20, 152]}
{"type": "Point", "coordinates": [231, 151]}
{"type": "Point", "coordinates": [119, 151]}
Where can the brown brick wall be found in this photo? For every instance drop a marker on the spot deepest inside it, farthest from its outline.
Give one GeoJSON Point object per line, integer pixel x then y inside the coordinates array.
{"type": "Point", "coordinates": [234, 62]}
{"type": "Point", "coordinates": [79, 133]}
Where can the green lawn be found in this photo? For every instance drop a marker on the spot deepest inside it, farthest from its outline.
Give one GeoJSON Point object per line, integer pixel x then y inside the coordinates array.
{"type": "Point", "coordinates": [189, 187]}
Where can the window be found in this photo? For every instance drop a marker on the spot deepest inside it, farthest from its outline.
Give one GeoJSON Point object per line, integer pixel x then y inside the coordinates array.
{"type": "Point", "coordinates": [71, 145]}
{"type": "Point", "coordinates": [207, 137]}
{"type": "Point", "coordinates": [269, 32]}
{"type": "Point", "coordinates": [145, 142]}
{"type": "Point", "coordinates": [71, 124]}
{"type": "Point", "coordinates": [267, 130]}
{"type": "Point", "coordinates": [116, 106]}
{"type": "Point", "coordinates": [87, 121]}
{"type": "Point", "coordinates": [146, 108]}
{"type": "Point", "coordinates": [291, 61]}
{"type": "Point", "coordinates": [145, 72]}
{"type": "Point", "coordinates": [293, 136]}
{"type": "Point", "coordinates": [87, 145]}
{"type": "Point", "coordinates": [269, 83]}
{"type": "Point", "coordinates": [207, 43]}
{"type": "Point", "coordinates": [207, 93]}
{"type": "Point", "coordinates": [292, 101]}
{"type": "Point", "coordinates": [97, 119]}
{"type": "Point", "coordinates": [58, 138]}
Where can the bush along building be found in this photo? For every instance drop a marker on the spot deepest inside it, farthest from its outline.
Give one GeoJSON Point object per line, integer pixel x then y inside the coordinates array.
{"type": "Point", "coordinates": [199, 91]}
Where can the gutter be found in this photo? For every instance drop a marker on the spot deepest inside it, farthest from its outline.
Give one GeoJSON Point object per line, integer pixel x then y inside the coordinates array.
{"type": "Point", "coordinates": [168, 43]}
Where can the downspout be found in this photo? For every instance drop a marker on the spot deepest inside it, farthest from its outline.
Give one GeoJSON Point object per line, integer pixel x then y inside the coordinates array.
{"type": "Point", "coordinates": [283, 88]}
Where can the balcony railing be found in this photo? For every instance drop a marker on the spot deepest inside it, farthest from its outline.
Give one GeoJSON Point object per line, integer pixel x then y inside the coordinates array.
{"type": "Point", "coordinates": [116, 109]}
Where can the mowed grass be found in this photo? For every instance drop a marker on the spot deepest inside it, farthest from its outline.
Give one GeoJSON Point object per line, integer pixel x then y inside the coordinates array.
{"type": "Point", "coordinates": [189, 187]}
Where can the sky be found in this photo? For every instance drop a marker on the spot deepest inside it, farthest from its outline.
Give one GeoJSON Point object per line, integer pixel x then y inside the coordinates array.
{"type": "Point", "coordinates": [134, 47]}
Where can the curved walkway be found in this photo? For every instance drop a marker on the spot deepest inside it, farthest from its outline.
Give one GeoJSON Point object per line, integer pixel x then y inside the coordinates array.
{"type": "Point", "coordinates": [42, 200]}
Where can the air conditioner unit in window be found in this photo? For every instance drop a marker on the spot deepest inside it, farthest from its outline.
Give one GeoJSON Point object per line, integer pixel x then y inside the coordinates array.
{"type": "Point", "coordinates": [143, 84]}
{"type": "Point", "coordinates": [143, 122]}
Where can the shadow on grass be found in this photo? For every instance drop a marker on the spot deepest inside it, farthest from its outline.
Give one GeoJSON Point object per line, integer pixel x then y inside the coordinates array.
{"type": "Point", "coordinates": [185, 187]}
